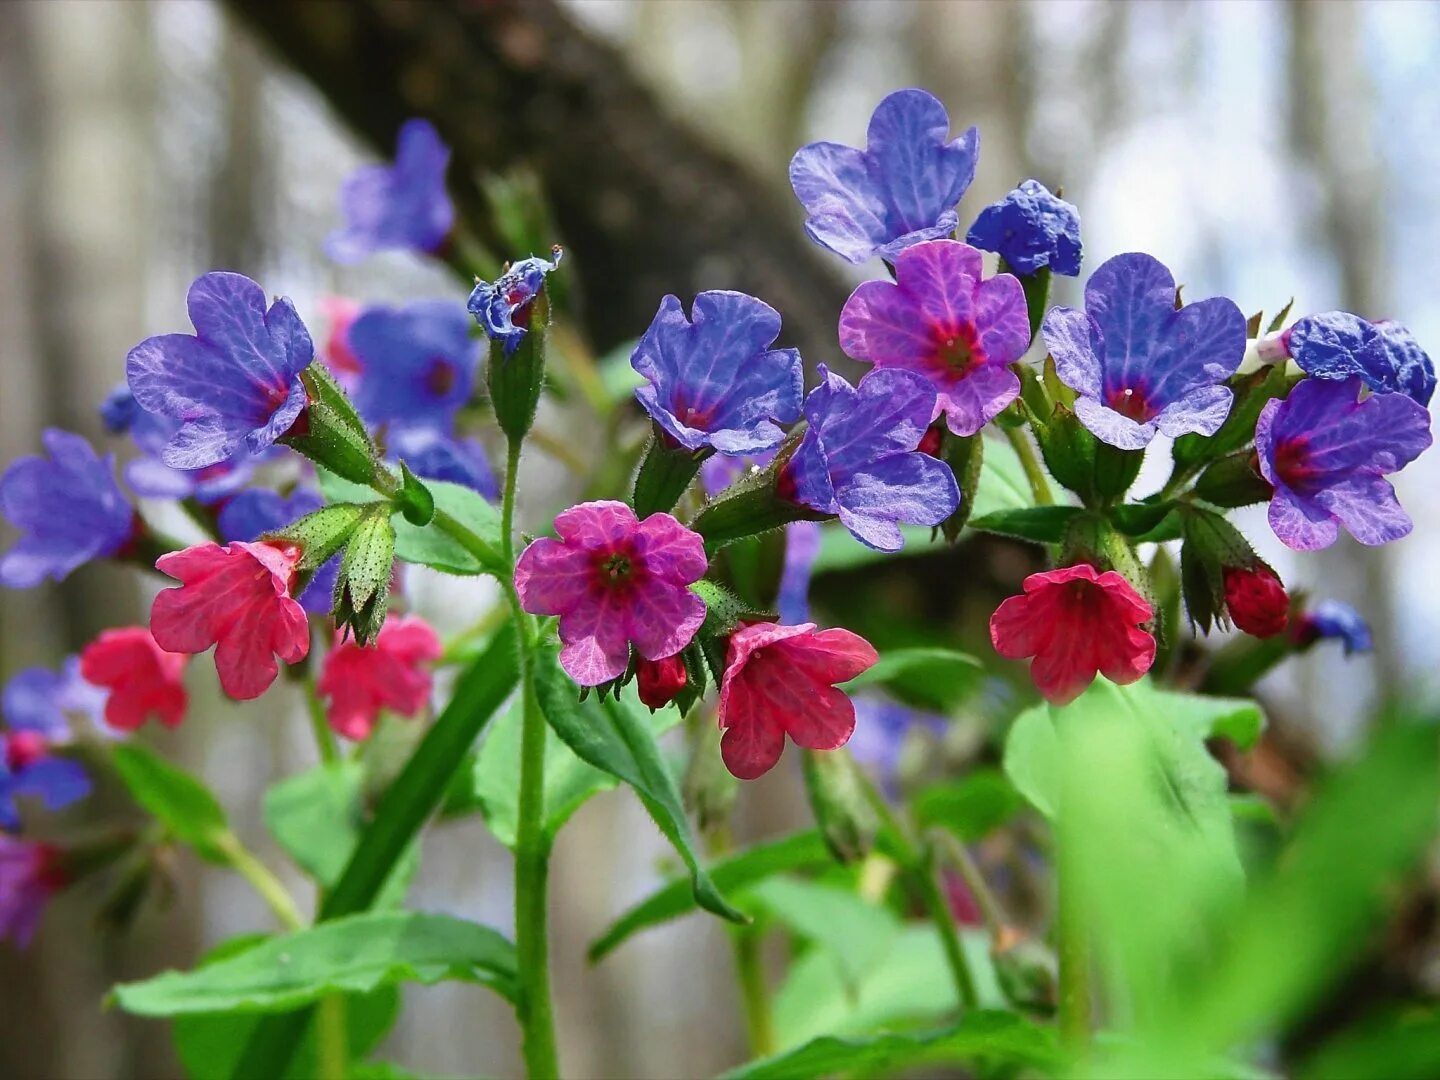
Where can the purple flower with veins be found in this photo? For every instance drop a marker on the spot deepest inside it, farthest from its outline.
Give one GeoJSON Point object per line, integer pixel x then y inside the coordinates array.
{"type": "Point", "coordinates": [858, 460]}
{"type": "Point", "coordinates": [259, 510]}
{"type": "Point", "coordinates": [433, 455]}
{"type": "Point", "coordinates": [1030, 228]}
{"type": "Point", "coordinates": [1332, 619]}
{"type": "Point", "coordinates": [402, 206]}
{"type": "Point", "coordinates": [941, 319]}
{"type": "Point", "coordinates": [1326, 454]}
{"type": "Point", "coordinates": [1385, 355]}
{"type": "Point", "coordinates": [418, 363]}
{"type": "Point", "coordinates": [614, 581]}
{"type": "Point", "coordinates": [1139, 365]}
{"type": "Point", "coordinates": [30, 874]}
{"type": "Point", "coordinates": [901, 189]}
{"type": "Point", "coordinates": [712, 380]}
{"type": "Point", "coordinates": [235, 384]}
{"type": "Point", "coordinates": [27, 765]}
{"type": "Point", "coordinates": [68, 507]}
{"type": "Point", "coordinates": [502, 307]}
{"type": "Point", "coordinates": [151, 478]}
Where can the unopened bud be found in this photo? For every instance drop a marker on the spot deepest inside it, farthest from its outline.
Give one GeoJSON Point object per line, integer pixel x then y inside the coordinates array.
{"type": "Point", "coordinates": [658, 682]}
{"type": "Point", "coordinates": [1257, 601]}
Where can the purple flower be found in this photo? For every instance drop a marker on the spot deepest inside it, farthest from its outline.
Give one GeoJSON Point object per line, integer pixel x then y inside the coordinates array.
{"type": "Point", "coordinates": [418, 363]}
{"type": "Point", "coordinates": [858, 458]}
{"type": "Point", "coordinates": [1332, 619]}
{"type": "Point", "coordinates": [30, 874]}
{"type": "Point", "coordinates": [502, 307]}
{"type": "Point", "coordinates": [942, 320]}
{"type": "Point", "coordinates": [150, 477]}
{"type": "Point", "coordinates": [41, 700]}
{"type": "Point", "coordinates": [402, 206]}
{"type": "Point", "coordinates": [69, 507]}
{"type": "Point", "coordinates": [32, 703]}
{"type": "Point", "coordinates": [433, 455]}
{"type": "Point", "coordinates": [1326, 454]}
{"type": "Point", "coordinates": [256, 511]}
{"type": "Point", "coordinates": [898, 191]}
{"type": "Point", "coordinates": [712, 380]}
{"type": "Point", "coordinates": [235, 383]}
{"type": "Point", "coordinates": [1140, 366]}
{"type": "Point", "coordinates": [1030, 228]}
{"type": "Point", "coordinates": [882, 730]}
{"type": "Point", "coordinates": [1385, 355]}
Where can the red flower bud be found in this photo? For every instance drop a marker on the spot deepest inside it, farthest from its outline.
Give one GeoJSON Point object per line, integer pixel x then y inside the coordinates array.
{"type": "Point", "coordinates": [932, 440]}
{"type": "Point", "coordinates": [1257, 600]}
{"type": "Point", "coordinates": [658, 681]}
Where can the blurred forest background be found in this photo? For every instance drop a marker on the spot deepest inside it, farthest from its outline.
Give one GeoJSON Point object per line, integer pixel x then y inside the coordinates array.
{"type": "Point", "coordinates": [1258, 149]}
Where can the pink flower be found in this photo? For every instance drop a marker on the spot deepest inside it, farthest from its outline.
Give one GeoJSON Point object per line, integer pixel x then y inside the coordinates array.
{"type": "Point", "coordinates": [30, 874]}
{"type": "Point", "coordinates": [780, 680]}
{"type": "Point", "coordinates": [1075, 622]}
{"type": "Point", "coordinates": [143, 679]}
{"type": "Point", "coordinates": [359, 682]}
{"type": "Point", "coordinates": [237, 598]}
{"type": "Point", "coordinates": [657, 682]}
{"type": "Point", "coordinates": [339, 357]}
{"type": "Point", "coordinates": [614, 580]}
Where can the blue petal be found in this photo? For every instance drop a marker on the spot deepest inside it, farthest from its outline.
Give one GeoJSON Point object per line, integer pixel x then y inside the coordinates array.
{"type": "Point", "coordinates": [56, 781]}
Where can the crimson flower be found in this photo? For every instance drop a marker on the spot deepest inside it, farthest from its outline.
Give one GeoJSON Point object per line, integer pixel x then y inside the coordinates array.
{"type": "Point", "coordinates": [659, 681]}
{"type": "Point", "coordinates": [143, 679]}
{"type": "Point", "coordinates": [1256, 600]}
{"type": "Point", "coordinates": [388, 674]}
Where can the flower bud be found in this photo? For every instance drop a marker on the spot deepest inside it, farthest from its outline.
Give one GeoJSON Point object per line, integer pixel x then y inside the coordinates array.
{"type": "Point", "coordinates": [1256, 600]}
{"type": "Point", "coordinates": [847, 821]}
{"type": "Point", "coordinates": [330, 432]}
{"type": "Point", "coordinates": [362, 589]}
{"type": "Point", "coordinates": [1223, 580]}
{"type": "Point", "coordinates": [658, 682]}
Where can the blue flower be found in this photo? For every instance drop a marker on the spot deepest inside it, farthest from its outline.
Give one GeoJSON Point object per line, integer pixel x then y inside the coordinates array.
{"type": "Point", "coordinates": [69, 507]}
{"type": "Point", "coordinates": [712, 380]}
{"type": "Point", "coordinates": [34, 710]}
{"type": "Point", "coordinates": [402, 206]}
{"type": "Point", "coordinates": [502, 307]}
{"type": "Point", "coordinates": [883, 728]}
{"type": "Point", "coordinates": [151, 478]}
{"type": "Point", "coordinates": [257, 511]}
{"type": "Point", "coordinates": [858, 458]}
{"type": "Point", "coordinates": [1332, 619]}
{"type": "Point", "coordinates": [418, 363]}
{"type": "Point", "coordinates": [1139, 365]}
{"type": "Point", "coordinates": [38, 699]}
{"type": "Point", "coordinates": [1030, 228]}
{"type": "Point", "coordinates": [1385, 355]}
{"type": "Point", "coordinates": [1326, 454]}
{"type": "Point", "coordinates": [898, 191]}
{"type": "Point", "coordinates": [235, 384]}
{"type": "Point", "coordinates": [433, 455]}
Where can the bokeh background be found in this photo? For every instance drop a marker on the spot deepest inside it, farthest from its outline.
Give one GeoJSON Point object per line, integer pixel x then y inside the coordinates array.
{"type": "Point", "coordinates": [1261, 150]}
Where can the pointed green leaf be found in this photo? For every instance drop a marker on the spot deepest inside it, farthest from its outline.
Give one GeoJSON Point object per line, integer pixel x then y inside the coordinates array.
{"type": "Point", "coordinates": [183, 804]}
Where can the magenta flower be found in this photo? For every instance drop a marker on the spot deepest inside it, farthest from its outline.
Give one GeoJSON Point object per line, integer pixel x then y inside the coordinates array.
{"type": "Point", "coordinates": [237, 598]}
{"type": "Point", "coordinates": [143, 679]}
{"type": "Point", "coordinates": [614, 580]}
{"type": "Point", "coordinates": [942, 320]}
{"type": "Point", "coordinates": [780, 680]}
{"type": "Point", "coordinates": [30, 874]}
{"type": "Point", "coordinates": [388, 674]}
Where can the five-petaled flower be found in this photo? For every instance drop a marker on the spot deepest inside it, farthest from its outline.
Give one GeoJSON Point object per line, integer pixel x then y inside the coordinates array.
{"type": "Point", "coordinates": [151, 478]}
{"type": "Point", "coordinates": [143, 679]}
{"type": "Point", "coordinates": [900, 190]}
{"type": "Point", "coordinates": [418, 363]}
{"type": "Point", "coordinates": [402, 206]}
{"type": "Point", "coordinates": [502, 307]}
{"type": "Point", "coordinates": [1030, 228]}
{"type": "Point", "coordinates": [858, 460]}
{"type": "Point", "coordinates": [237, 598]}
{"type": "Point", "coordinates": [780, 680]}
{"type": "Point", "coordinates": [69, 507]}
{"type": "Point", "coordinates": [943, 320]}
{"type": "Point", "coordinates": [1139, 365]}
{"type": "Point", "coordinates": [1385, 355]}
{"type": "Point", "coordinates": [614, 580]}
{"type": "Point", "coordinates": [712, 381]}
{"type": "Point", "coordinates": [1256, 599]}
{"type": "Point", "coordinates": [388, 674]}
{"type": "Point", "coordinates": [1326, 455]}
{"type": "Point", "coordinates": [257, 511]}
{"type": "Point", "coordinates": [1331, 619]}
{"type": "Point", "coordinates": [1075, 622]}
{"type": "Point", "coordinates": [235, 383]}
{"type": "Point", "coordinates": [30, 874]}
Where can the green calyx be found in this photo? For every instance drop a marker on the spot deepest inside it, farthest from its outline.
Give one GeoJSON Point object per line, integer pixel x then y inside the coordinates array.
{"type": "Point", "coordinates": [362, 589]}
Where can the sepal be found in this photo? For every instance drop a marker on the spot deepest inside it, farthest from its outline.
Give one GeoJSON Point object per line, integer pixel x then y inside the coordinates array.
{"type": "Point", "coordinates": [330, 432]}
{"type": "Point", "coordinates": [665, 472]}
{"type": "Point", "coordinates": [321, 534]}
{"type": "Point", "coordinates": [362, 588]}
{"type": "Point", "coordinates": [414, 500]}
{"type": "Point", "coordinates": [837, 795]}
{"type": "Point", "coordinates": [515, 381]}
{"type": "Point", "coordinates": [753, 504]}
{"type": "Point", "coordinates": [1233, 481]}
{"type": "Point", "coordinates": [1211, 546]}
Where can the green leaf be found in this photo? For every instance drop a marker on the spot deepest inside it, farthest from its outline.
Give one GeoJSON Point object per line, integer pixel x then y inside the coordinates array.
{"type": "Point", "coordinates": [858, 933]}
{"type": "Point", "coordinates": [1032, 759]}
{"type": "Point", "coordinates": [1044, 524]}
{"type": "Point", "coordinates": [357, 954]}
{"type": "Point", "coordinates": [182, 803]}
{"type": "Point", "coordinates": [971, 807]}
{"type": "Point", "coordinates": [624, 747]}
{"type": "Point", "coordinates": [1400, 1045]}
{"type": "Point", "coordinates": [925, 677]}
{"type": "Point", "coordinates": [989, 1037]}
{"type": "Point", "coordinates": [802, 851]}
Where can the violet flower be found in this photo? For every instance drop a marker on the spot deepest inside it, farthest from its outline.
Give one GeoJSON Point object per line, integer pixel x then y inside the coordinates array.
{"type": "Point", "coordinates": [1030, 228]}
{"type": "Point", "coordinates": [402, 206]}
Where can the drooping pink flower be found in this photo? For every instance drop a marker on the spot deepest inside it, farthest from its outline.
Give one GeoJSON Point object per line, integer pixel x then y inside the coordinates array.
{"type": "Point", "coordinates": [614, 580]}
{"type": "Point", "coordinates": [30, 874]}
{"type": "Point", "coordinates": [237, 598]}
{"type": "Point", "coordinates": [781, 680]}
{"type": "Point", "coordinates": [1075, 622]}
{"type": "Point", "coordinates": [658, 682]}
{"type": "Point", "coordinates": [143, 679]}
{"type": "Point", "coordinates": [388, 674]}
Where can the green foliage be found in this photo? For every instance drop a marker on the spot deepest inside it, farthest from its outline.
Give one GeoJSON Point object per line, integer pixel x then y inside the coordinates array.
{"type": "Point", "coordinates": [972, 807]}
{"type": "Point", "coordinates": [1043, 524]}
{"type": "Point", "coordinates": [924, 677]}
{"type": "Point", "coordinates": [353, 955]}
{"type": "Point", "coordinates": [414, 499]}
{"type": "Point", "coordinates": [857, 933]}
{"type": "Point", "coordinates": [180, 802]}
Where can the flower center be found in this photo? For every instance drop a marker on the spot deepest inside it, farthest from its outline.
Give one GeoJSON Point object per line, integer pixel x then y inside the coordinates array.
{"type": "Point", "coordinates": [440, 379]}
{"type": "Point", "coordinates": [23, 749]}
{"type": "Point", "coordinates": [617, 570]}
{"type": "Point", "coordinates": [1130, 401]}
{"type": "Point", "coordinates": [956, 349]}
{"type": "Point", "coordinates": [693, 416]}
{"type": "Point", "coordinates": [1292, 463]}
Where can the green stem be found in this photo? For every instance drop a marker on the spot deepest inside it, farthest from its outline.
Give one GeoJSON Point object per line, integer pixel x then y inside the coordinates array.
{"type": "Point", "coordinates": [1039, 485]}
{"type": "Point", "coordinates": [990, 909]}
{"type": "Point", "coordinates": [759, 1019]}
{"type": "Point", "coordinates": [1181, 476]}
{"type": "Point", "coordinates": [266, 884]}
{"type": "Point", "coordinates": [922, 873]}
{"type": "Point", "coordinates": [332, 1038]}
{"type": "Point", "coordinates": [324, 737]}
{"type": "Point", "coordinates": [1074, 953]}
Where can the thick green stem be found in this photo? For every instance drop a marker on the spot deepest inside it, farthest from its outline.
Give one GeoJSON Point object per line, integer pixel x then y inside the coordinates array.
{"type": "Point", "coordinates": [1074, 951]}
{"type": "Point", "coordinates": [1039, 484]}
{"type": "Point", "coordinates": [754, 994]}
{"type": "Point", "coordinates": [331, 1038]}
